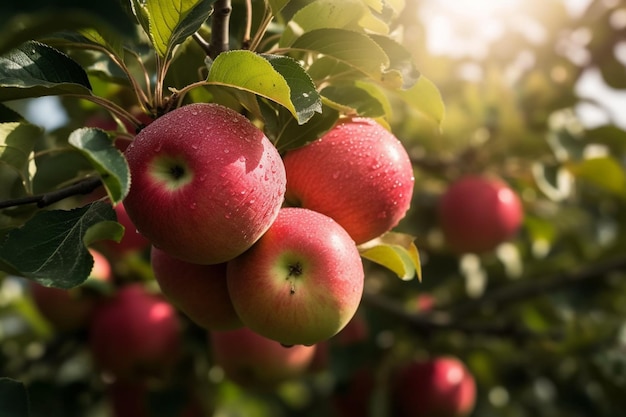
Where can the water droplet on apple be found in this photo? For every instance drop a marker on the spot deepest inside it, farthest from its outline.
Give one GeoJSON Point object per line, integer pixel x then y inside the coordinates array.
{"type": "Point", "coordinates": [227, 216]}
{"type": "Point", "coordinates": [193, 206]}
{"type": "Point", "coordinates": [226, 150]}
{"type": "Point", "coordinates": [251, 201]}
{"type": "Point", "coordinates": [336, 175]}
{"type": "Point", "coordinates": [194, 147]}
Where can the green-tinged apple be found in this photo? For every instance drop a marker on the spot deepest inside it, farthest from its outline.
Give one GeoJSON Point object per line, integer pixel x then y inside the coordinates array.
{"type": "Point", "coordinates": [478, 213]}
{"type": "Point", "coordinates": [70, 310]}
{"type": "Point", "coordinates": [358, 173]}
{"type": "Point", "coordinates": [199, 291]}
{"type": "Point", "coordinates": [135, 334]}
{"type": "Point", "coordinates": [439, 387]}
{"type": "Point", "coordinates": [301, 282]}
{"type": "Point", "coordinates": [206, 183]}
{"type": "Point", "coordinates": [254, 361]}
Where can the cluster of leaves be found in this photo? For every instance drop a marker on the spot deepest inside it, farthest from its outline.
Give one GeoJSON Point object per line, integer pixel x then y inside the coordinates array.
{"type": "Point", "coordinates": [293, 66]}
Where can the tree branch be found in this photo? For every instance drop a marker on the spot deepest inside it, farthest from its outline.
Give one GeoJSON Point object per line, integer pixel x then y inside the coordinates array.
{"type": "Point", "coordinates": [533, 287]}
{"type": "Point", "coordinates": [439, 320]}
{"type": "Point", "coordinates": [43, 200]}
{"type": "Point", "coordinates": [220, 34]}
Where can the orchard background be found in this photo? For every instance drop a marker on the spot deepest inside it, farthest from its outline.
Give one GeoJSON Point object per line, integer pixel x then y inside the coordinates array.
{"type": "Point", "coordinates": [524, 91]}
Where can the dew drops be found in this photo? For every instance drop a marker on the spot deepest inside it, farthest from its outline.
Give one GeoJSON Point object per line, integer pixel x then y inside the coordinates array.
{"type": "Point", "coordinates": [226, 150]}
{"type": "Point", "coordinates": [336, 175]}
{"type": "Point", "coordinates": [193, 206]}
{"type": "Point", "coordinates": [227, 216]}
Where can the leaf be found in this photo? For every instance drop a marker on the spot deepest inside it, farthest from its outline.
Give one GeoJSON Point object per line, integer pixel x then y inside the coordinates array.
{"type": "Point", "coordinates": [303, 94]}
{"type": "Point", "coordinates": [605, 172]}
{"type": "Point", "coordinates": [425, 98]}
{"type": "Point", "coordinates": [352, 99]}
{"type": "Point", "coordinates": [50, 247]}
{"type": "Point", "coordinates": [355, 49]}
{"type": "Point", "coordinates": [402, 72]}
{"type": "Point", "coordinates": [17, 141]}
{"type": "Point", "coordinates": [324, 14]}
{"type": "Point", "coordinates": [171, 22]}
{"type": "Point", "coordinates": [35, 69]}
{"type": "Point", "coordinates": [396, 252]}
{"type": "Point", "coordinates": [254, 73]}
{"type": "Point", "coordinates": [291, 134]}
{"type": "Point", "coordinates": [111, 41]}
{"type": "Point", "coordinates": [25, 20]}
{"type": "Point", "coordinates": [108, 161]}
{"type": "Point", "coordinates": [9, 115]}
{"type": "Point", "coordinates": [13, 398]}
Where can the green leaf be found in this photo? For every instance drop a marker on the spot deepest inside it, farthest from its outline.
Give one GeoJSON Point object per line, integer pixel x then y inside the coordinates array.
{"type": "Point", "coordinates": [111, 41]}
{"type": "Point", "coordinates": [402, 72]}
{"type": "Point", "coordinates": [96, 145]}
{"type": "Point", "coordinates": [605, 172]}
{"type": "Point", "coordinates": [25, 20]}
{"type": "Point", "coordinates": [355, 49]}
{"type": "Point", "coordinates": [35, 69]}
{"type": "Point", "coordinates": [50, 247]}
{"type": "Point", "coordinates": [289, 134]}
{"type": "Point", "coordinates": [257, 74]}
{"type": "Point", "coordinates": [13, 398]}
{"type": "Point", "coordinates": [324, 14]}
{"type": "Point", "coordinates": [303, 94]}
{"type": "Point", "coordinates": [396, 252]}
{"type": "Point", "coordinates": [17, 141]}
{"type": "Point", "coordinates": [9, 115]}
{"type": "Point", "coordinates": [171, 22]}
{"type": "Point", "coordinates": [425, 98]}
{"type": "Point", "coordinates": [352, 99]}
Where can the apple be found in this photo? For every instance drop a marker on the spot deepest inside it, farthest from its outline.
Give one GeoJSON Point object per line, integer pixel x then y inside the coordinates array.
{"type": "Point", "coordinates": [477, 213]}
{"type": "Point", "coordinates": [439, 387]}
{"type": "Point", "coordinates": [206, 183]}
{"type": "Point", "coordinates": [199, 291]}
{"type": "Point", "coordinates": [358, 173]}
{"type": "Point", "coordinates": [301, 282]}
{"type": "Point", "coordinates": [356, 331]}
{"type": "Point", "coordinates": [254, 361]}
{"type": "Point", "coordinates": [70, 310]}
{"type": "Point", "coordinates": [135, 334]}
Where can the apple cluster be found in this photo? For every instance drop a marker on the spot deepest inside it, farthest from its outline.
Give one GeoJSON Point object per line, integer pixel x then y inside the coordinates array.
{"type": "Point", "coordinates": [244, 237]}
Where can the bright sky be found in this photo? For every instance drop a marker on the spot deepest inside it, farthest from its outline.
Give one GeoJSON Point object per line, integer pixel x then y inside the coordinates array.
{"type": "Point", "coordinates": [467, 27]}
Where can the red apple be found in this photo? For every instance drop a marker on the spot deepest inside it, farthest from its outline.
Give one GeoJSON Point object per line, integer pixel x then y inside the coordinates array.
{"type": "Point", "coordinates": [206, 183]}
{"type": "Point", "coordinates": [135, 334]}
{"type": "Point", "coordinates": [440, 387]}
{"type": "Point", "coordinates": [358, 173]}
{"type": "Point", "coordinates": [254, 361]}
{"type": "Point", "coordinates": [301, 282]}
{"type": "Point", "coordinates": [70, 310]}
{"type": "Point", "coordinates": [199, 291]}
{"type": "Point", "coordinates": [477, 213]}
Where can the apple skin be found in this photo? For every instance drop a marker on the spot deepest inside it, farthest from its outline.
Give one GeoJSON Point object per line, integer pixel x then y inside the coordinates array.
{"type": "Point", "coordinates": [439, 387]}
{"type": "Point", "coordinates": [206, 183]}
{"type": "Point", "coordinates": [358, 173]}
{"type": "Point", "coordinates": [199, 291]}
{"type": "Point", "coordinates": [70, 310]}
{"type": "Point", "coordinates": [135, 334]}
{"type": "Point", "coordinates": [301, 282]}
{"type": "Point", "coordinates": [254, 361]}
{"type": "Point", "coordinates": [477, 213]}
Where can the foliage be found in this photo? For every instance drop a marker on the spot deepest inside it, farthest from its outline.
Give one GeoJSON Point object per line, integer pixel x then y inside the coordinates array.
{"type": "Point", "coordinates": [539, 321]}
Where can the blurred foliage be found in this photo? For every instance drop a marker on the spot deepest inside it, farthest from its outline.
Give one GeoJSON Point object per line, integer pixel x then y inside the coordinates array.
{"type": "Point", "coordinates": [540, 321]}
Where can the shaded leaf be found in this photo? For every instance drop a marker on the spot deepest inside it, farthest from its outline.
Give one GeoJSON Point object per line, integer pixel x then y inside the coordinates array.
{"type": "Point", "coordinates": [352, 99]}
{"type": "Point", "coordinates": [108, 161]}
{"type": "Point", "coordinates": [35, 69]}
{"type": "Point", "coordinates": [289, 134]}
{"type": "Point", "coordinates": [396, 252]}
{"type": "Point", "coordinates": [50, 247]}
{"type": "Point", "coordinates": [402, 72]}
{"type": "Point", "coordinates": [355, 49]}
{"type": "Point", "coordinates": [9, 115]}
{"type": "Point", "coordinates": [13, 398]}
{"type": "Point", "coordinates": [17, 141]}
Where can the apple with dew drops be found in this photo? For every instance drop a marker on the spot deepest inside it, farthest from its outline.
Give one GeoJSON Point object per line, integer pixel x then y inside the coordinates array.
{"type": "Point", "coordinates": [206, 183]}
{"type": "Point", "coordinates": [358, 173]}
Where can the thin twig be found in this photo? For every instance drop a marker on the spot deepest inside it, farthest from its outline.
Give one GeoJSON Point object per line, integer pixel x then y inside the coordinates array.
{"type": "Point", "coordinates": [43, 200]}
{"type": "Point", "coordinates": [533, 287]}
{"type": "Point", "coordinates": [437, 321]}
